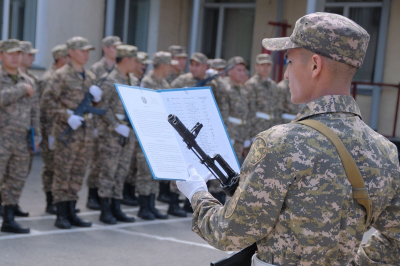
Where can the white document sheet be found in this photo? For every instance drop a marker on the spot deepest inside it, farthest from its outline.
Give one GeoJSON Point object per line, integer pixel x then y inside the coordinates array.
{"type": "Point", "coordinates": [165, 152]}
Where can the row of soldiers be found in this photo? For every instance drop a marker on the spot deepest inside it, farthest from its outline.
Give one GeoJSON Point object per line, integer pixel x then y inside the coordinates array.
{"type": "Point", "coordinates": [118, 168]}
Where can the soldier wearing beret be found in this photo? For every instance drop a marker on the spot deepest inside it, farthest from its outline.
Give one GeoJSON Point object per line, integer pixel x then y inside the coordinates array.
{"type": "Point", "coordinates": [295, 199]}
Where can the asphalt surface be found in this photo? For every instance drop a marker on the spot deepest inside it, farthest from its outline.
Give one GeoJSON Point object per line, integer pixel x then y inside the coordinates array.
{"type": "Point", "coordinates": [147, 243]}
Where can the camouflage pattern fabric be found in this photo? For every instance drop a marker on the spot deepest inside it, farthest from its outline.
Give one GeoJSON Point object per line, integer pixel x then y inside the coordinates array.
{"type": "Point", "coordinates": [111, 40]}
{"type": "Point", "coordinates": [287, 105]}
{"type": "Point", "coordinates": [218, 63]}
{"type": "Point", "coordinates": [18, 113]}
{"type": "Point", "coordinates": [265, 104]}
{"type": "Point", "coordinates": [161, 57]}
{"type": "Point", "coordinates": [27, 47]}
{"type": "Point", "coordinates": [294, 198]}
{"type": "Point", "coordinates": [330, 35]}
{"type": "Point", "coordinates": [59, 51]}
{"type": "Point", "coordinates": [42, 82]}
{"type": "Point", "coordinates": [185, 80]}
{"type": "Point", "coordinates": [199, 58]}
{"type": "Point", "coordinates": [10, 46]}
{"type": "Point", "coordinates": [177, 51]}
{"type": "Point", "coordinates": [65, 91]}
{"type": "Point", "coordinates": [172, 76]}
{"type": "Point", "coordinates": [126, 51]}
{"type": "Point", "coordinates": [100, 67]}
{"type": "Point", "coordinates": [218, 86]}
{"type": "Point", "coordinates": [80, 43]}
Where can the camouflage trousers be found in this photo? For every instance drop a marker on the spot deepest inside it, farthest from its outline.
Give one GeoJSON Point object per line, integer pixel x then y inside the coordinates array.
{"type": "Point", "coordinates": [95, 166]}
{"type": "Point", "coordinates": [145, 184]}
{"type": "Point", "coordinates": [115, 162]}
{"type": "Point", "coordinates": [70, 164]}
{"type": "Point", "coordinates": [14, 165]}
{"type": "Point", "coordinates": [48, 158]}
{"type": "Point", "coordinates": [131, 178]}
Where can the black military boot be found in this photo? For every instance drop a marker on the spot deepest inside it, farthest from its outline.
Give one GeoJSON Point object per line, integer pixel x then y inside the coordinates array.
{"type": "Point", "coordinates": [62, 221]}
{"type": "Point", "coordinates": [19, 212]}
{"type": "Point", "coordinates": [9, 224]}
{"type": "Point", "coordinates": [73, 218]}
{"type": "Point", "coordinates": [187, 207]}
{"type": "Point", "coordinates": [118, 213]}
{"type": "Point", "coordinates": [152, 205]}
{"type": "Point", "coordinates": [144, 211]}
{"type": "Point", "coordinates": [129, 197]}
{"type": "Point", "coordinates": [174, 208]}
{"type": "Point", "coordinates": [164, 193]}
{"type": "Point", "coordinates": [106, 216]}
{"type": "Point", "coordinates": [93, 199]}
{"type": "Point", "coordinates": [50, 207]}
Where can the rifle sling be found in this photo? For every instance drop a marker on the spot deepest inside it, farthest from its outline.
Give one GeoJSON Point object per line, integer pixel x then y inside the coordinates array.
{"type": "Point", "coordinates": [360, 192]}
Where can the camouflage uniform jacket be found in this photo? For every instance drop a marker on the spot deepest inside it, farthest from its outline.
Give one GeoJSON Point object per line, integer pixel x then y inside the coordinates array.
{"type": "Point", "coordinates": [65, 91]}
{"type": "Point", "coordinates": [42, 82]}
{"type": "Point", "coordinates": [239, 108]}
{"type": "Point", "coordinates": [46, 120]}
{"type": "Point", "coordinates": [287, 106]}
{"type": "Point", "coordinates": [218, 86]}
{"type": "Point", "coordinates": [294, 198]}
{"type": "Point", "coordinates": [111, 100]}
{"type": "Point", "coordinates": [171, 77]}
{"type": "Point", "coordinates": [152, 82]}
{"type": "Point", "coordinates": [18, 112]}
{"type": "Point", "coordinates": [100, 67]}
{"type": "Point", "coordinates": [185, 80]}
{"type": "Point", "coordinates": [265, 104]}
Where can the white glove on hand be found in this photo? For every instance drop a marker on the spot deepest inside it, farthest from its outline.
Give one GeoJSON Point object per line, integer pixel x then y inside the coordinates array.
{"type": "Point", "coordinates": [96, 92]}
{"type": "Point", "coordinates": [211, 72]}
{"type": "Point", "coordinates": [95, 133]}
{"type": "Point", "coordinates": [246, 143]}
{"type": "Point", "coordinates": [51, 140]}
{"type": "Point", "coordinates": [122, 130]}
{"type": "Point", "coordinates": [75, 121]}
{"type": "Point", "coordinates": [193, 184]}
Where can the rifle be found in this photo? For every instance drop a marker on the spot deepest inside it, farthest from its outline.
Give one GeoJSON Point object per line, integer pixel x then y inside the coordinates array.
{"type": "Point", "coordinates": [203, 82]}
{"type": "Point", "coordinates": [83, 108]}
{"type": "Point", "coordinates": [228, 182]}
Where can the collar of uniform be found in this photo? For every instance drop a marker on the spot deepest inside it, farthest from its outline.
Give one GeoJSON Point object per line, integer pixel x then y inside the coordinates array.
{"type": "Point", "coordinates": [261, 79]}
{"type": "Point", "coordinates": [120, 76]}
{"type": "Point", "coordinates": [154, 77]}
{"type": "Point", "coordinates": [76, 72]}
{"type": "Point", "coordinates": [329, 104]}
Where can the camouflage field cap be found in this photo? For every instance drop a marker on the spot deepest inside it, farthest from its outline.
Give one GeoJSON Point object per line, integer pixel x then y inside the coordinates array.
{"type": "Point", "coordinates": [111, 40]}
{"type": "Point", "coordinates": [59, 51]}
{"type": "Point", "coordinates": [199, 57]}
{"type": "Point", "coordinates": [143, 58]}
{"type": "Point", "coordinates": [161, 57]}
{"type": "Point", "coordinates": [177, 51]}
{"type": "Point", "coordinates": [236, 60]}
{"type": "Point", "coordinates": [218, 63]}
{"type": "Point", "coordinates": [326, 34]}
{"type": "Point", "coordinates": [126, 51]}
{"type": "Point", "coordinates": [10, 46]}
{"type": "Point", "coordinates": [80, 43]}
{"type": "Point", "coordinates": [27, 47]}
{"type": "Point", "coordinates": [263, 59]}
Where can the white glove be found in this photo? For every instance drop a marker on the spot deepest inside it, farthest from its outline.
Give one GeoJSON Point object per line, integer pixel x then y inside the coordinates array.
{"type": "Point", "coordinates": [122, 130]}
{"type": "Point", "coordinates": [51, 139]}
{"type": "Point", "coordinates": [193, 184]}
{"type": "Point", "coordinates": [211, 72]}
{"type": "Point", "coordinates": [96, 92]}
{"type": "Point", "coordinates": [75, 121]}
{"type": "Point", "coordinates": [232, 141]}
{"type": "Point", "coordinates": [253, 139]}
{"type": "Point", "coordinates": [246, 143]}
{"type": "Point", "coordinates": [95, 133]}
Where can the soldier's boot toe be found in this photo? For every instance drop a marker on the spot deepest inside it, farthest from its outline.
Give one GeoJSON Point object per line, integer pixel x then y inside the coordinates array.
{"type": "Point", "coordinates": [187, 207]}
{"type": "Point", "coordinates": [174, 208]}
{"type": "Point", "coordinates": [144, 211]}
{"type": "Point", "coordinates": [93, 199]}
{"type": "Point", "coordinates": [9, 224]}
{"type": "Point", "coordinates": [153, 209]}
{"type": "Point", "coordinates": [50, 207]}
{"type": "Point", "coordinates": [62, 221]}
{"type": "Point", "coordinates": [74, 219]}
{"type": "Point", "coordinates": [19, 212]}
{"type": "Point", "coordinates": [128, 199]}
{"type": "Point", "coordinates": [118, 213]}
{"type": "Point", "coordinates": [164, 194]}
{"type": "Point", "coordinates": [106, 215]}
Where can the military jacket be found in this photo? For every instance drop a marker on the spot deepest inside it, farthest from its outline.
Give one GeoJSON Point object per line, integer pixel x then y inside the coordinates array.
{"type": "Point", "coordinates": [151, 82]}
{"type": "Point", "coordinates": [18, 111]}
{"type": "Point", "coordinates": [265, 104]}
{"type": "Point", "coordinates": [294, 198]}
{"type": "Point", "coordinates": [46, 120]}
{"type": "Point", "coordinates": [287, 106]}
{"type": "Point", "coordinates": [172, 76]}
{"type": "Point", "coordinates": [185, 80]}
{"type": "Point", "coordinates": [42, 82]}
{"type": "Point", "coordinates": [100, 67]}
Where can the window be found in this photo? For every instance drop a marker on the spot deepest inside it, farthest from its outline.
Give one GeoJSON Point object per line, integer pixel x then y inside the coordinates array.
{"type": "Point", "coordinates": [22, 21]}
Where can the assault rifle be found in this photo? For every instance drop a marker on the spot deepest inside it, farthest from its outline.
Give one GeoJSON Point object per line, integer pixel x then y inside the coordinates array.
{"type": "Point", "coordinates": [83, 108]}
{"type": "Point", "coordinates": [122, 140]}
{"type": "Point", "coordinates": [203, 82]}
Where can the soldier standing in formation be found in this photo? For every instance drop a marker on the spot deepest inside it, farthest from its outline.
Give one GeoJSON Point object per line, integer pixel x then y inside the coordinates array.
{"type": "Point", "coordinates": [18, 113]}
{"type": "Point", "coordinates": [63, 94]}
{"type": "Point", "coordinates": [178, 54]}
{"type": "Point", "coordinates": [288, 109]}
{"type": "Point", "coordinates": [60, 56]}
{"type": "Point", "coordinates": [294, 199]}
{"type": "Point", "coordinates": [198, 66]}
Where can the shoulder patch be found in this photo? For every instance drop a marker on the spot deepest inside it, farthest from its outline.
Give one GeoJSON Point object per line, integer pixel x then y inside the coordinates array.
{"type": "Point", "coordinates": [232, 203]}
{"type": "Point", "coordinates": [257, 152]}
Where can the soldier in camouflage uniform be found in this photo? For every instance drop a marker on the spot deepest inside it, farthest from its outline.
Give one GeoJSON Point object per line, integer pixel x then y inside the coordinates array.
{"type": "Point", "coordinates": [60, 55]}
{"type": "Point", "coordinates": [198, 66]}
{"type": "Point", "coordinates": [28, 56]}
{"type": "Point", "coordinates": [19, 111]}
{"type": "Point", "coordinates": [289, 109]}
{"type": "Point", "coordinates": [107, 62]}
{"type": "Point", "coordinates": [264, 97]}
{"type": "Point", "coordinates": [116, 138]}
{"type": "Point", "coordinates": [63, 94]}
{"type": "Point", "coordinates": [294, 198]}
{"type": "Point", "coordinates": [129, 195]}
{"type": "Point", "coordinates": [178, 54]}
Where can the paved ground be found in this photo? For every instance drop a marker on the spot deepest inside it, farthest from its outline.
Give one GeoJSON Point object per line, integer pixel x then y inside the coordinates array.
{"type": "Point", "coordinates": [168, 242]}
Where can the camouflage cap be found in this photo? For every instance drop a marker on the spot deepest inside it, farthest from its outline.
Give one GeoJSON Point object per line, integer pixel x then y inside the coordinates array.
{"type": "Point", "coordinates": [27, 48]}
{"type": "Point", "coordinates": [143, 58]}
{"type": "Point", "coordinates": [10, 46]}
{"type": "Point", "coordinates": [59, 51]}
{"type": "Point", "coordinates": [80, 43]}
{"type": "Point", "coordinates": [236, 60]}
{"type": "Point", "coordinates": [199, 57]}
{"type": "Point", "coordinates": [111, 40]}
{"type": "Point", "coordinates": [126, 51]}
{"type": "Point", "coordinates": [263, 59]}
{"type": "Point", "coordinates": [326, 34]}
{"type": "Point", "coordinates": [218, 63]}
{"type": "Point", "coordinates": [161, 57]}
{"type": "Point", "coordinates": [177, 51]}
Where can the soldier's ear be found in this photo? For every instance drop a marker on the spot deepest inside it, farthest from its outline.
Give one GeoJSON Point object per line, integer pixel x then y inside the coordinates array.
{"type": "Point", "coordinates": [316, 65]}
